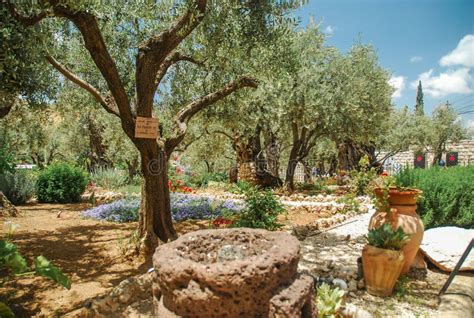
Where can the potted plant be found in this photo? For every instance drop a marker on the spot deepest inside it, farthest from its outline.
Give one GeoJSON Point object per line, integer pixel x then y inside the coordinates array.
{"type": "Point", "coordinates": [397, 207]}
{"type": "Point", "coordinates": [383, 259]}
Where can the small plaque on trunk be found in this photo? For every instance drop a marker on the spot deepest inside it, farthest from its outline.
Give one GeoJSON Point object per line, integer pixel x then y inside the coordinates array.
{"type": "Point", "coordinates": [146, 127]}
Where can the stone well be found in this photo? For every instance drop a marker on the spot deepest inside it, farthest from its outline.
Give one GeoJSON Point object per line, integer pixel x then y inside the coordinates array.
{"type": "Point", "coordinates": [231, 273]}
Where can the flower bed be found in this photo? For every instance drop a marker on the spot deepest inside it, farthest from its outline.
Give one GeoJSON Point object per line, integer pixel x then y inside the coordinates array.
{"type": "Point", "coordinates": [183, 207]}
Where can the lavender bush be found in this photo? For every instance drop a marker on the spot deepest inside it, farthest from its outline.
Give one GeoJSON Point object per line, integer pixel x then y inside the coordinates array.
{"type": "Point", "coordinates": [183, 207]}
{"type": "Point", "coordinates": [124, 210]}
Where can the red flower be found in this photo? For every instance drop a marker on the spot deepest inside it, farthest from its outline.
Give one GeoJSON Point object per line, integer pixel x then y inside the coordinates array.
{"type": "Point", "coordinates": [221, 221]}
{"type": "Point", "coordinates": [384, 174]}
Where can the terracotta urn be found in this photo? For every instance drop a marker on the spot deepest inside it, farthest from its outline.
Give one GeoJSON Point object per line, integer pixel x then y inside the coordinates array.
{"type": "Point", "coordinates": [402, 214]}
{"type": "Point", "coordinates": [399, 197]}
{"type": "Point", "coordinates": [382, 268]}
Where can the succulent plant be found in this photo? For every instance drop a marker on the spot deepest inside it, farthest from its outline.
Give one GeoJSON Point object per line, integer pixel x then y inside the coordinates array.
{"type": "Point", "coordinates": [329, 301]}
{"type": "Point", "coordinates": [387, 238]}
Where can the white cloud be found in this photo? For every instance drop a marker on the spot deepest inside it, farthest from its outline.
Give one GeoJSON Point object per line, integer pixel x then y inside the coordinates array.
{"type": "Point", "coordinates": [416, 59]}
{"type": "Point", "coordinates": [463, 54]}
{"type": "Point", "coordinates": [329, 29]}
{"type": "Point", "coordinates": [452, 81]}
{"type": "Point", "coordinates": [397, 82]}
{"type": "Point", "coordinates": [470, 127]}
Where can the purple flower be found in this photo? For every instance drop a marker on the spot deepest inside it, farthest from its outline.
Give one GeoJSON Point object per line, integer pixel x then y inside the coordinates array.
{"type": "Point", "coordinates": [183, 207]}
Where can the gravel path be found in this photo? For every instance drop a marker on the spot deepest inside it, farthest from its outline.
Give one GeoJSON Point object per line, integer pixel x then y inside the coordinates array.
{"type": "Point", "coordinates": [334, 253]}
{"type": "Point", "coordinates": [354, 227]}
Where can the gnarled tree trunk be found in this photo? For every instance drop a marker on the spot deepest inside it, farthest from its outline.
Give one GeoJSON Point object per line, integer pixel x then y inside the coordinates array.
{"type": "Point", "coordinates": [155, 209]}
{"type": "Point", "coordinates": [98, 155]}
{"type": "Point", "coordinates": [350, 153]}
{"type": "Point", "coordinates": [272, 152]}
{"type": "Point", "coordinates": [303, 142]}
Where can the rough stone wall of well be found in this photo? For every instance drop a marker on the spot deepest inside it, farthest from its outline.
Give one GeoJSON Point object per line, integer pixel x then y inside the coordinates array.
{"type": "Point", "coordinates": [464, 148]}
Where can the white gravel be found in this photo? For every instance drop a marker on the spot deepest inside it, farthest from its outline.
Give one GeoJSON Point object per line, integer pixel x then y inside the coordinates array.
{"type": "Point", "coordinates": [356, 226]}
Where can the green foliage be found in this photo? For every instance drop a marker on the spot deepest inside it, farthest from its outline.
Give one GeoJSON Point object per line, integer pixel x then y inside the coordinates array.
{"type": "Point", "coordinates": [23, 66]}
{"type": "Point", "coordinates": [13, 262]}
{"type": "Point", "coordinates": [18, 186]}
{"type": "Point", "coordinates": [261, 210]}
{"type": "Point", "coordinates": [351, 204]}
{"type": "Point", "coordinates": [11, 259]}
{"type": "Point", "coordinates": [241, 187]}
{"type": "Point", "coordinates": [384, 183]}
{"type": "Point", "coordinates": [311, 188]}
{"type": "Point", "coordinates": [204, 179]}
{"type": "Point", "coordinates": [401, 288]}
{"type": "Point", "coordinates": [61, 183]}
{"type": "Point", "coordinates": [361, 179]}
{"type": "Point", "coordinates": [109, 178]}
{"type": "Point", "coordinates": [419, 107]}
{"type": "Point", "coordinates": [387, 238]}
{"type": "Point", "coordinates": [448, 194]}
{"type": "Point", "coordinates": [6, 159]}
{"type": "Point", "coordinates": [43, 267]}
{"type": "Point", "coordinates": [5, 311]}
{"type": "Point", "coordinates": [329, 301]}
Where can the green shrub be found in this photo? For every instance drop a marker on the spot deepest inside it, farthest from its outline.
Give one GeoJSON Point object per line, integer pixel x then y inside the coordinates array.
{"type": "Point", "coordinates": [361, 179]}
{"type": "Point", "coordinates": [6, 159]}
{"type": "Point", "coordinates": [351, 203]}
{"type": "Point", "coordinates": [261, 210]}
{"type": "Point", "coordinates": [448, 194]}
{"type": "Point", "coordinates": [61, 183]}
{"type": "Point", "coordinates": [109, 178]}
{"type": "Point", "coordinates": [202, 181]}
{"type": "Point", "coordinates": [241, 187]}
{"type": "Point", "coordinates": [18, 186]}
{"type": "Point", "coordinates": [311, 188]}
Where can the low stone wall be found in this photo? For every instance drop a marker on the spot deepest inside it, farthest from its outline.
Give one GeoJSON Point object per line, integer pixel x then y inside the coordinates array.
{"type": "Point", "coordinates": [464, 148]}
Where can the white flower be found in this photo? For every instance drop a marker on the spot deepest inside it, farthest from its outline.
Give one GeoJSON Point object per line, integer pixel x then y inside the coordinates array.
{"type": "Point", "coordinates": [10, 227]}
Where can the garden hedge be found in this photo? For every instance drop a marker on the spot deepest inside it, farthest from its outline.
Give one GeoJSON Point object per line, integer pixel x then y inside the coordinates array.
{"type": "Point", "coordinates": [448, 194]}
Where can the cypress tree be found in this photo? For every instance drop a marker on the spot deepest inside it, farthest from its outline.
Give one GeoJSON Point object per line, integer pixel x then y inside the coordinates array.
{"type": "Point", "coordinates": [419, 107]}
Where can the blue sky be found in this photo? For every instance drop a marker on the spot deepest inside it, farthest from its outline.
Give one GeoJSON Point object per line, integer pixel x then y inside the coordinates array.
{"type": "Point", "coordinates": [431, 40]}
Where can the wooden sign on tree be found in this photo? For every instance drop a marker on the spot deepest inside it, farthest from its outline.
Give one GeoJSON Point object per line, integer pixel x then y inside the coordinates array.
{"type": "Point", "coordinates": [146, 127]}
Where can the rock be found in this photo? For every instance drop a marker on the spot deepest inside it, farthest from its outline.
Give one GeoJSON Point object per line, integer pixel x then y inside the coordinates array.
{"type": "Point", "coordinates": [361, 284]}
{"type": "Point", "coordinates": [352, 286]}
{"type": "Point", "coordinates": [352, 311]}
{"type": "Point", "coordinates": [131, 290]}
{"type": "Point", "coordinates": [340, 283]}
{"type": "Point", "coordinates": [6, 207]}
{"type": "Point", "coordinates": [294, 300]}
{"type": "Point", "coordinates": [194, 282]}
{"type": "Point", "coordinates": [444, 246]}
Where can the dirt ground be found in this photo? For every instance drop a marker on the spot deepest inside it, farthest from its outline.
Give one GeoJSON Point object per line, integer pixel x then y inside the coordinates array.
{"type": "Point", "coordinates": [88, 251]}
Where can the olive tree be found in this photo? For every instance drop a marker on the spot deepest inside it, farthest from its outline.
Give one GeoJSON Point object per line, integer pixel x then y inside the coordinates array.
{"type": "Point", "coordinates": [161, 35]}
